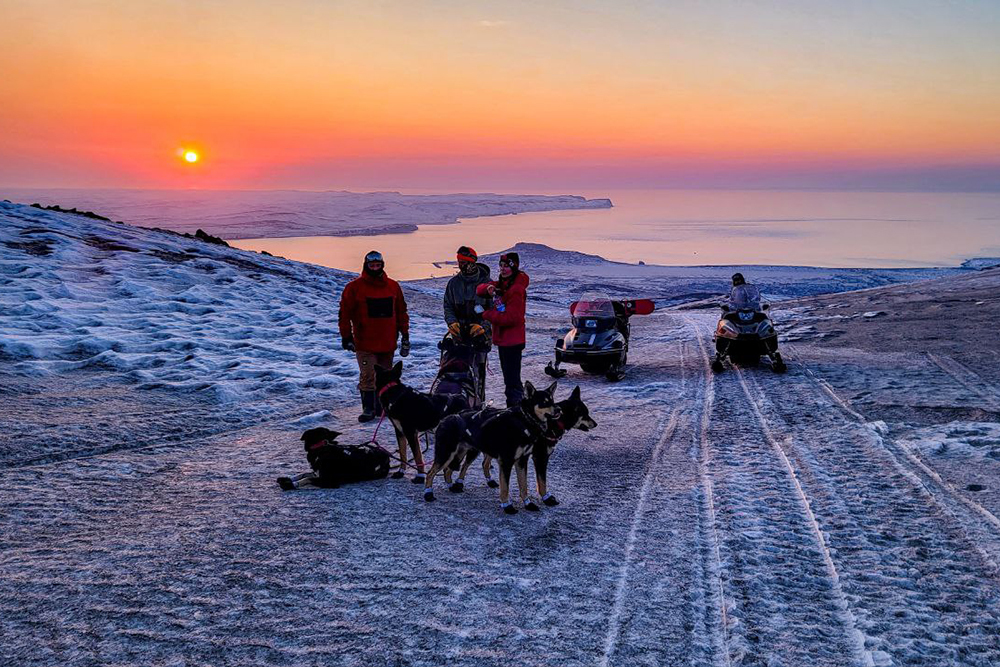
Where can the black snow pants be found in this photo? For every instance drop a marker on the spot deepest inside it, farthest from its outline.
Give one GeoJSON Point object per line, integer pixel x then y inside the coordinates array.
{"type": "Point", "coordinates": [510, 364]}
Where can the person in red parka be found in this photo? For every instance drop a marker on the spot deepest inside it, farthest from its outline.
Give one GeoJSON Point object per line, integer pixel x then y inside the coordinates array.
{"type": "Point", "coordinates": [372, 317]}
{"type": "Point", "coordinates": [509, 295]}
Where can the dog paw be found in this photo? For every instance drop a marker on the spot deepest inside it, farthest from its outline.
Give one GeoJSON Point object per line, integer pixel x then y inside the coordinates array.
{"type": "Point", "coordinates": [457, 487]}
{"type": "Point", "coordinates": [429, 495]}
{"type": "Point", "coordinates": [531, 506]}
{"type": "Point", "coordinates": [509, 509]}
{"type": "Point", "coordinates": [399, 474]}
{"type": "Point", "coordinates": [550, 500]}
{"type": "Point", "coordinates": [492, 483]}
{"type": "Point", "coordinates": [418, 479]}
{"type": "Point", "coordinates": [286, 484]}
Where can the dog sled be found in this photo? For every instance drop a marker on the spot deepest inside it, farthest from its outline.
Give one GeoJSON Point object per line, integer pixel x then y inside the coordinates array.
{"type": "Point", "coordinates": [462, 368]}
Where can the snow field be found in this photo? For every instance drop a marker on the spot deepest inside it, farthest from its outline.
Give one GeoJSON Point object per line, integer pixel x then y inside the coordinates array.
{"type": "Point", "coordinates": [822, 517]}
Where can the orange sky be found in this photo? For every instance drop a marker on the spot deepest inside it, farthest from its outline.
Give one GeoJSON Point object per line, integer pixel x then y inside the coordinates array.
{"type": "Point", "coordinates": [306, 93]}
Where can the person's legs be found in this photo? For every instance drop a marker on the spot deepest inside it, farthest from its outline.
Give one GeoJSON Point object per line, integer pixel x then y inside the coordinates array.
{"type": "Point", "coordinates": [481, 362]}
{"type": "Point", "coordinates": [366, 384]}
{"type": "Point", "coordinates": [510, 364]}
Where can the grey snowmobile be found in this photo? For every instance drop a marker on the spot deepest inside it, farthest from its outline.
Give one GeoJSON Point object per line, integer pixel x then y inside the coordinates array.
{"type": "Point", "coordinates": [745, 333]}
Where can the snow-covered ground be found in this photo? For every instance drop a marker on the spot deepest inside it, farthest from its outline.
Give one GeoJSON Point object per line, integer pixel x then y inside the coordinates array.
{"type": "Point", "coordinates": [252, 214]}
{"type": "Point", "coordinates": [153, 386]}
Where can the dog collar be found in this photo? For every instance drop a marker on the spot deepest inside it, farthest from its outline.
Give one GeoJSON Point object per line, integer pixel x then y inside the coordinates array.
{"type": "Point", "coordinates": [387, 388]}
{"type": "Point", "coordinates": [317, 445]}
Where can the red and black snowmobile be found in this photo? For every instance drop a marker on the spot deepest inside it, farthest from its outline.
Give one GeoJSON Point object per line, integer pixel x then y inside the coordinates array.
{"type": "Point", "coordinates": [598, 341]}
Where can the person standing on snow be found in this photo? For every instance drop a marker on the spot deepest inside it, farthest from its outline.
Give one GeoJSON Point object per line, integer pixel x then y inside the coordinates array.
{"type": "Point", "coordinates": [509, 296]}
{"type": "Point", "coordinates": [460, 301]}
{"type": "Point", "coordinates": [372, 316]}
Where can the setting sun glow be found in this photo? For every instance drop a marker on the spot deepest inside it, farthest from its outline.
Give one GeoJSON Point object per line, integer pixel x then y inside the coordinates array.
{"type": "Point", "coordinates": [190, 156]}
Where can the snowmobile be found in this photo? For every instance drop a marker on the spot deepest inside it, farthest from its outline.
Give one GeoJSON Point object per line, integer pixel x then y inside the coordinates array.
{"type": "Point", "coordinates": [598, 341]}
{"type": "Point", "coordinates": [745, 333]}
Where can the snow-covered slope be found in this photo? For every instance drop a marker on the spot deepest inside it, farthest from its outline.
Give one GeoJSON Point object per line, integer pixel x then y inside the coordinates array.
{"type": "Point", "coordinates": [152, 387]}
{"type": "Point", "coordinates": [167, 315]}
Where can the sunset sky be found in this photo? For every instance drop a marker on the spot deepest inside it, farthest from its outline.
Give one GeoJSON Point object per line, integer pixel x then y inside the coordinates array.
{"type": "Point", "coordinates": [320, 94]}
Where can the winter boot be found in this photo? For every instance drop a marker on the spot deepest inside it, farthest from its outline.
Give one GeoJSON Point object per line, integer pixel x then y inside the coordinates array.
{"type": "Point", "coordinates": [367, 406]}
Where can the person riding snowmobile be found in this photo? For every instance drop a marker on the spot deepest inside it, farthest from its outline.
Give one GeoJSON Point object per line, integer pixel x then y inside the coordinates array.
{"type": "Point", "coordinates": [745, 331]}
{"type": "Point", "coordinates": [743, 295]}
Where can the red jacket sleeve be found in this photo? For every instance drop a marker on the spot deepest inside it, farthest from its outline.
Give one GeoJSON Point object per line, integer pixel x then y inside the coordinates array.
{"type": "Point", "coordinates": [402, 317]}
{"type": "Point", "coordinates": [481, 290]}
{"type": "Point", "coordinates": [513, 313]}
{"type": "Point", "coordinates": [346, 310]}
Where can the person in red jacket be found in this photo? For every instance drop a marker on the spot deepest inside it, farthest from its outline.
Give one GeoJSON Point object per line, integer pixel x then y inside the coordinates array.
{"type": "Point", "coordinates": [372, 317]}
{"type": "Point", "coordinates": [509, 295]}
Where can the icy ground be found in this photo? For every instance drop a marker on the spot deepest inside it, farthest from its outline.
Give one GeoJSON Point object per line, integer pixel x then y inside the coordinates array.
{"type": "Point", "coordinates": [154, 386]}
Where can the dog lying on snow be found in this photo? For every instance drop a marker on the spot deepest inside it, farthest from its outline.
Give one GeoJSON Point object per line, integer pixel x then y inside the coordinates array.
{"type": "Point", "coordinates": [334, 464]}
{"type": "Point", "coordinates": [412, 412]}
{"type": "Point", "coordinates": [511, 436]}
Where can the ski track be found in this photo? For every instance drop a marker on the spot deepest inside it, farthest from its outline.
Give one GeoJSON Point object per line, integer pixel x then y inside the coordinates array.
{"type": "Point", "coordinates": [924, 589]}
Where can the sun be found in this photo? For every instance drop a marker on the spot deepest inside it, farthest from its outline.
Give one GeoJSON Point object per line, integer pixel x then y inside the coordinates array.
{"type": "Point", "coordinates": [190, 156]}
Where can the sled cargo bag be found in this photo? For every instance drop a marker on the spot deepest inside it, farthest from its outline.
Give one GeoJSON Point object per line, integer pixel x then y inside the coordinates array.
{"type": "Point", "coordinates": [346, 464]}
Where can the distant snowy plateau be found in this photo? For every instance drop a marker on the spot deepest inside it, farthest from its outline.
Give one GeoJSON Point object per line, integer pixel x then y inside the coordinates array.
{"type": "Point", "coordinates": [249, 214]}
{"type": "Point", "coordinates": [153, 386]}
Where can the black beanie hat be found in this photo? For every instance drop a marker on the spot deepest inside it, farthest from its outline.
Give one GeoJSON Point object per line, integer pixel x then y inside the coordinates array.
{"type": "Point", "coordinates": [513, 258]}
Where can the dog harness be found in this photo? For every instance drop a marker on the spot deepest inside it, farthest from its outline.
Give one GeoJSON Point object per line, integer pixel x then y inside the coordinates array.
{"type": "Point", "coordinates": [535, 427]}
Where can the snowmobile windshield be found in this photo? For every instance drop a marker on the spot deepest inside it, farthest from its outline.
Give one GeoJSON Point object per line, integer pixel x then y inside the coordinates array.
{"type": "Point", "coordinates": [595, 306]}
{"type": "Point", "coordinates": [745, 297]}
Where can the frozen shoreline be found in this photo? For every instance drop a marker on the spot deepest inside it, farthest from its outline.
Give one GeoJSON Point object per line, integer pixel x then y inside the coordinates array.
{"type": "Point", "coordinates": [235, 215]}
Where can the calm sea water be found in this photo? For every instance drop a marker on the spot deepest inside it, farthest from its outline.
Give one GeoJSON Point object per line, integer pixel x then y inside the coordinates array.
{"type": "Point", "coordinates": [682, 227]}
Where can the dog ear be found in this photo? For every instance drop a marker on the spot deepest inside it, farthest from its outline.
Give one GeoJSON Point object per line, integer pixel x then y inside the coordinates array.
{"type": "Point", "coordinates": [397, 370]}
{"type": "Point", "coordinates": [529, 389]}
{"type": "Point", "coordinates": [576, 393]}
{"type": "Point", "coordinates": [552, 388]}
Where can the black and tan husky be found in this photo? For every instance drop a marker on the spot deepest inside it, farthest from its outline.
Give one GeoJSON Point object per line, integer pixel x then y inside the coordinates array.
{"type": "Point", "coordinates": [510, 436]}
{"type": "Point", "coordinates": [411, 412]}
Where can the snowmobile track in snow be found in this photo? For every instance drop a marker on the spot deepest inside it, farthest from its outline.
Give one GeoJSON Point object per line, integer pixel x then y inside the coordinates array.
{"type": "Point", "coordinates": [914, 562]}
{"type": "Point", "coordinates": [950, 499]}
{"type": "Point", "coordinates": [968, 379]}
{"type": "Point", "coordinates": [752, 503]}
{"type": "Point", "coordinates": [614, 621]}
{"type": "Point", "coordinates": [848, 618]}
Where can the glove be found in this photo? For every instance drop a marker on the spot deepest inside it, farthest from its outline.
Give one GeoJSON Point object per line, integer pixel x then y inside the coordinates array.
{"type": "Point", "coordinates": [348, 344]}
{"type": "Point", "coordinates": [404, 347]}
{"type": "Point", "coordinates": [477, 330]}
{"type": "Point", "coordinates": [455, 329]}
